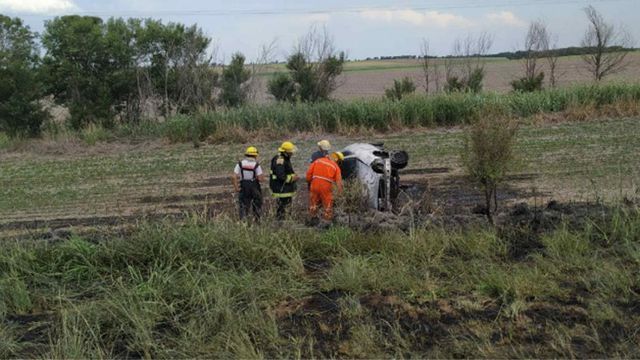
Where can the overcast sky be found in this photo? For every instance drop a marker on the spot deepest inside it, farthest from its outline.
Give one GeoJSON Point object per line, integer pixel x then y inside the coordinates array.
{"type": "Point", "coordinates": [361, 28]}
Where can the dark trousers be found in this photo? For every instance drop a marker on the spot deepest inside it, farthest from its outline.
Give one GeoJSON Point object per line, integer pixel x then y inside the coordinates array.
{"type": "Point", "coordinates": [250, 197]}
{"type": "Point", "coordinates": [283, 207]}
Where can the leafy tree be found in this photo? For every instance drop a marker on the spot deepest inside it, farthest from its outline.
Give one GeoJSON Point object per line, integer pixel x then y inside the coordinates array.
{"type": "Point", "coordinates": [233, 82]}
{"type": "Point", "coordinates": [179, 69]}
{"type": "Point", "coordinates": [20, 88]}
{"type": "Point", "coordinates": [120, 42]}
{"type": "Point", "coordinates": [77, 66]}
{"type": "Point", "coordinates": [104, 71]}
{"type": "Point", "coordinates": [400, 89]}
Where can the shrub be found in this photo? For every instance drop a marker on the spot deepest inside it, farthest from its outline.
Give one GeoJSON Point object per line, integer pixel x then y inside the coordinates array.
{"type": "Point", "coordinates": [281, 87]}
{"type": "Point", "coordinates": [488, 154]}
{"type": "Point", "coordinates": [454, 84]}
{"type": "Point", "coordinates": [472, 83]}
{"type": "Point", "coordinates": [527, 84]}
{"type": "Point", "coordinates": [400, 89]}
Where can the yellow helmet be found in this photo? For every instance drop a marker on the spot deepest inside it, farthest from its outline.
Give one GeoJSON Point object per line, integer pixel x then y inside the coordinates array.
{"type": "Point", "coordinates": [251, 151]}
{"type": "Point", "coordinates": [337, 156]}
{"type": "Point", "coordinates": [324, 145]}
{"type": "Point", "coordinates": [287, 147]}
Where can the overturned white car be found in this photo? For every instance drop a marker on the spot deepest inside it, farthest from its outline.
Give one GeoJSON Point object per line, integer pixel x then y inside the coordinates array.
{"type": "Point", "coordinates": [377, 169]}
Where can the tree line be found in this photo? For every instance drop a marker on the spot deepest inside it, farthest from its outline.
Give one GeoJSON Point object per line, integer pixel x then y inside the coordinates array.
{"type": "Point", "coordinates": [121, 70]}
{"type": "Point", "coordinates": [125, 70]}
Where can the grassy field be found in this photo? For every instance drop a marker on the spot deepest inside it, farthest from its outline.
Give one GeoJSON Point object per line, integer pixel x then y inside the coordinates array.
{"type": "Point", "coordinates": [130, 250]}
{"type": "Point", "coordinates": [215, 288]}
{"type": "Point", "coordinates": [75, 184]}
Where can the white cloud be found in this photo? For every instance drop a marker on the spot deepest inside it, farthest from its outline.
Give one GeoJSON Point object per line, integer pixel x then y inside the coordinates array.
{"type": "Point", "coordinates": [418, 18]}
{"type": "Point", "coordinates": [37, 6]}
{"type": "Point", "coordinates": [506, 18]}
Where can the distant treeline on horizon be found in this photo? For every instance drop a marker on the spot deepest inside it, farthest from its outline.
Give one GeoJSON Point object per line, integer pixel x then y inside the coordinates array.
{"type": "Point", "coordinates": [511, 55]}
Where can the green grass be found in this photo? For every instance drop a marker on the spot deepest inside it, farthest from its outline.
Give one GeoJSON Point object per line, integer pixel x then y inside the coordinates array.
{"type": "Point", "coordinates": [221, 289]}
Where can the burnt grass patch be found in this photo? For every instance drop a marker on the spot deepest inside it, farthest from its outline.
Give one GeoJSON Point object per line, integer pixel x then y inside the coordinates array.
{"type": "Point", "coordinates": [422, 327]}
{"type": "Point", "coordinates": [316, 317]}
{"type": "Point", "coordinates": [438, 324]}
{"type": "Point", "coordinates": [523, 226]}
{"type": "Point", "coordinates": [34, 330]}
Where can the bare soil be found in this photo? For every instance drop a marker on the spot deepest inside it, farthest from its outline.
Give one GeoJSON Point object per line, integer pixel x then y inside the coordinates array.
{"type": "Point", "coordinates": [499, 74]}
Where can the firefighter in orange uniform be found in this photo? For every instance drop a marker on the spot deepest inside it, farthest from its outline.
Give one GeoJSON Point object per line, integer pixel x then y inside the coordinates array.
{"type": "Point", "coordinates": [323, 176]}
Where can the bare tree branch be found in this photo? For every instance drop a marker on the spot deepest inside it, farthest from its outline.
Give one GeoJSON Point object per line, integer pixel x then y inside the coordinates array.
{"type": "Point", "coordinates": [552, 56]}
{"type": "Point", "coordinates": [259, 66]}
{"type": "Point", "coordinates": [609, 46]}
{"type": "Point", "coordinates": [535, 44]}
{"type": "Point", "coordinates": [426, 63]}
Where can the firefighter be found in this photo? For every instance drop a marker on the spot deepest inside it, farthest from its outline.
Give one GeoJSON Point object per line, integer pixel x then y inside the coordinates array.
{"type": "Point", "coordinates": [323, 150]}
{"type": "Point", "coordinates": [283, 179]}
{"type": "Point", "coordinates": [323, 176]}
{"type": "Point", "coordinates": [247, 177]}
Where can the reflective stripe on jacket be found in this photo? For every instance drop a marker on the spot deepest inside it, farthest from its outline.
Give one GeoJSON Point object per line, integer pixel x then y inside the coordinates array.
{"type": "Point", "coordinates": [281, 177]}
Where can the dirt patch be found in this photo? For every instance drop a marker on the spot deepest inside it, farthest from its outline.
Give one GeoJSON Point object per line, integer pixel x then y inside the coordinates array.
{"type": "Point", "coordinates": [456, 192]}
